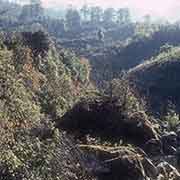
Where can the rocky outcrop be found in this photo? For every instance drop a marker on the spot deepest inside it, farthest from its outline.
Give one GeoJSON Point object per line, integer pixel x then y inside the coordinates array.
{"type": "Point", "coordinates": [169, 141]}
{"type": "Point", "coordinates": [167, 172]}
{"type": "Point", "coordinates": [126, 163]}
{"type": "Point", "coordinates": [151, 150]}
{"type": "Point", "coordinates": [71, 161]}
{"type": "Point", "coordinates": [104, 118]}
{"type": "Point", "coordinates": [121, 163]}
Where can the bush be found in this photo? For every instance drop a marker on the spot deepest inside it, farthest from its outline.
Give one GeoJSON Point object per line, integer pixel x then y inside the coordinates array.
{"type": "Point", "coordinates": [173, 119]}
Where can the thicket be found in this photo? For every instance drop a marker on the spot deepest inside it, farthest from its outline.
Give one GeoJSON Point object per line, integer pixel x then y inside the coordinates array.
{"type": "Point", "coordinates": [38, 83]}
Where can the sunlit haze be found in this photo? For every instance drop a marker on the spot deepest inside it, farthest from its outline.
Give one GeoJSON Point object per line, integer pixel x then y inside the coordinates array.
{"type": "Point", "coordinates": [167, 9]}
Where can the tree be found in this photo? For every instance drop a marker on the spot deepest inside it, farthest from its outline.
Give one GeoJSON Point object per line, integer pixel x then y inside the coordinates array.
{"type": "Point", "coordinates": [123, 15]}
{"type": "Point", "coordinates": [85, 12]}
{"type": "Point", "coordinates": [33, 11]}
{"type": "Point", "coordinates": [109, 15]}
{"type": "Point", "coordinates": [96, 14]}
{"type": "Point", "coordinates": [16, 100]}
{"type": "Point", "coordinates": [73, 19]}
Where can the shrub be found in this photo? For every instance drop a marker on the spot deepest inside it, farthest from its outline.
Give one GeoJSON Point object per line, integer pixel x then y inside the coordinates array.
{"type": "Point", "coordinates": [173, 119]}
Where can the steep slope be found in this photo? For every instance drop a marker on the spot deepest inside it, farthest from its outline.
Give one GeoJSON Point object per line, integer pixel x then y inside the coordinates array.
{"type": "Point", "coordinates": [38, 82]}
{"type": "Point", "coordinates": [158, 80]}
{"type": "Point", "coordinates": [108, 62]}
{"type": "Point", "coordinates": [144, 48]}
{"type": "Point", "coordinates": [109, 120]}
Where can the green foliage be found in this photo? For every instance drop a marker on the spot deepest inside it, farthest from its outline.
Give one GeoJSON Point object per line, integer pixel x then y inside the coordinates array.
{"type": "Point", "coordinates": [173, 119]}
{"type": "Point", "coordinates": [31, 157]}
{"type": "Point", "coordinates": [32, 88]}
{"type": "Point", "coordinates": [168, 53]}
{"type": "Point", "coordinates": [74, 66]}
{"type": "Point", "coordinates": [119, 91]}
{"type": "Point", "coordinates": [58, 85]}
{"type": "Point", "coordinates": [16, 101]}
{"type": "Point", "coordinates": [39, 68]}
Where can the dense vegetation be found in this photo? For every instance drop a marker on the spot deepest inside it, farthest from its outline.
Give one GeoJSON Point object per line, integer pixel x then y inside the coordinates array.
{"type": "Point", "coordinates": [38, 82]}
{"type": "Point", "coordinates": [158, 80]}
{"type": "Point", "coordinates": [87, 94]}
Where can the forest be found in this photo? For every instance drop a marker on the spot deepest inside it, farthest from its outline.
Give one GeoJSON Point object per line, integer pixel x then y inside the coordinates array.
{"type": "Point", "coordinates": [88, 93]}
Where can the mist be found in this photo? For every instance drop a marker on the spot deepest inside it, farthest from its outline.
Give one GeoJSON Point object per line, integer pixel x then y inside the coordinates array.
{"type": "Point", "coordinates": [168, 9]}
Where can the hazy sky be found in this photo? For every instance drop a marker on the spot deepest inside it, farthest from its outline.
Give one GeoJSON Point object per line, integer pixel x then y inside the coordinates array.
{"type": "Point", "coordinates": [163, 8]}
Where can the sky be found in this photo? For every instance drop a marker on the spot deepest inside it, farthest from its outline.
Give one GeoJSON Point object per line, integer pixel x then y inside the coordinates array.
{"type": "Point", "coordinates": [162, 8]}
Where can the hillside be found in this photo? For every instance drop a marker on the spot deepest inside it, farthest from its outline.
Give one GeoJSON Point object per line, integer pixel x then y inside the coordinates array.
{"type": "Point", "coordinates": [55, 125]}
{"type": "Point", "coordinates": [88, 94]}
{"type": "Point", "coordinates": [110, 61]}
{"type": "Point", "coordinates": [39, 82]}
{"type": "Point", "coordinates": [158, 80]}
